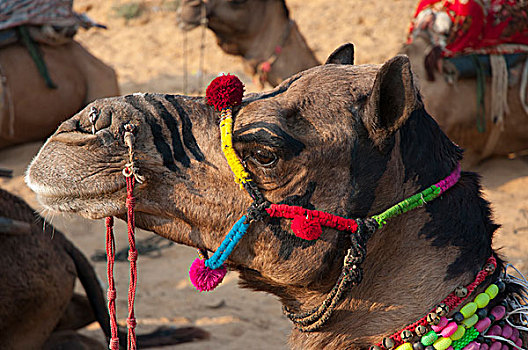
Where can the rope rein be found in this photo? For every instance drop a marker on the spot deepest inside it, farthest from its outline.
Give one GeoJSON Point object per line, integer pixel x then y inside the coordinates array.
{"type": "Point", "coordinates": [130, 171]}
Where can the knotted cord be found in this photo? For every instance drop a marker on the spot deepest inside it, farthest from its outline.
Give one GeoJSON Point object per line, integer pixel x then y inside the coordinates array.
{"type": "Point", "coordinates": [131, 176]}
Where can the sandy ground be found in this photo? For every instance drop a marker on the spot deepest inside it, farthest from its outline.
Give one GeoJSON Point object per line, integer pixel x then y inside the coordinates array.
{"type": "Point", "coordinates": [149, 54]}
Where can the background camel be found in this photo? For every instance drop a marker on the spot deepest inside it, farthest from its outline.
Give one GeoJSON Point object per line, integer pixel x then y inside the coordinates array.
{"type": "Point", "coordinates": [351, 140]}
{"type": "Point", "coordinates": [448, 103]}
{"type": "Point", "coordinates": [261, 32]}
{"type": "Point", "coordinates": [38, 308]}
{"type": "Point", "coordinates": [29, 110]}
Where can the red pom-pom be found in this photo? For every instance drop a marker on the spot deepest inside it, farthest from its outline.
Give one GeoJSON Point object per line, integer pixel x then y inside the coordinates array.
{"type": "Point", "coordinates": [225, 91]}
{"type": "Point", "coordinates": [305, 228]}
{"type": "Point", "coordinates": [204, 278]}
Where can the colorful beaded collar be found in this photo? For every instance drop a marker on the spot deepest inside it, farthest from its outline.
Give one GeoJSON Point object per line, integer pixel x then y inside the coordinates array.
{"type": "Point", "coordinates": [223, 93]}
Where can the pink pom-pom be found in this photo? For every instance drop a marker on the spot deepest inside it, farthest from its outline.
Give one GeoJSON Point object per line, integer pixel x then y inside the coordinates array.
{"type": "Point", "coordinates": [204, 278]}
{"type": "Point", "coordinates": [305, 228]}
{"type": "Point", "coordinates": [225, 91]}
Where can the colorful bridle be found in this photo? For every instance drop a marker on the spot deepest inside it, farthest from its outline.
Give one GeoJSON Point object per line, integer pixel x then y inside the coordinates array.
{"type": "Point", "coordinates": [225, 92]}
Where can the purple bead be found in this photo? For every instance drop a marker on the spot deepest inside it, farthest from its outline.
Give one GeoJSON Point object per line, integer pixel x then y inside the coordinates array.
{"type": "Point", "coordinates": [505, 347]}
{"type": "Point", "coordinates": [515, 335]}
{"type": "Point", "coordinates": [484, 346]}
{"type": "Point", "coordinates": [495, 330]}
{"type": "Point", "coordinates": [472, 346]}
{"type": "Point", "coordinates": [483, 324]}
{"type": "Point", "coordinates": [498, 311]}
{"type": "Point", "coordinates": [495, 346]}
{"type": "Point", "coordinates": [507, 331]}
{"type": "Point", "coordinates": [519, 342]}
{"type": "Point", "coordinates": [443, 322]}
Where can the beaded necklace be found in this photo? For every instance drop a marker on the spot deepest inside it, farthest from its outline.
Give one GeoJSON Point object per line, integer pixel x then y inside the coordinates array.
{"type": "Point", "coordinates": [435, 330]}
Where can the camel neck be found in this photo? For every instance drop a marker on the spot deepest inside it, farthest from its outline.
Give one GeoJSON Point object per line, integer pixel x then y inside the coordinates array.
{"type": "Point", "coordinates": [284, 49]}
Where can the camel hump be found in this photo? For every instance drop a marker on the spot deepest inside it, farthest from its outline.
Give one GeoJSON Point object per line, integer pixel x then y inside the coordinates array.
{"type": "Point", "coordinates": [344, 54]}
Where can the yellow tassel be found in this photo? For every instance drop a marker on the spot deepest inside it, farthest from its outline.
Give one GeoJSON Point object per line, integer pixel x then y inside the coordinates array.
{"type": "Point", "coordinates": [226, 128]}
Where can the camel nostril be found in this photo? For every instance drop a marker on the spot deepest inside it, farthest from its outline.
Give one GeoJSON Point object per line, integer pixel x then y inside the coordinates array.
{"type": "Point", "coordinates": [69, 125]}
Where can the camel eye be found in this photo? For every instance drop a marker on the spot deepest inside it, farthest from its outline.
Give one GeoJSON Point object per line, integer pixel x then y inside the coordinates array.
{"type": "Point", "coordinates": [263, 157]}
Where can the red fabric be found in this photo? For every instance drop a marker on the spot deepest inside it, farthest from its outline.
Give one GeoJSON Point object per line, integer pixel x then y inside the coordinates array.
{"type": "Point", "coordinates": [506, 22]}
{"type": "Point", "coordinates": [225, 91]}
{"type": "Point", "coordinates": [111, 294]}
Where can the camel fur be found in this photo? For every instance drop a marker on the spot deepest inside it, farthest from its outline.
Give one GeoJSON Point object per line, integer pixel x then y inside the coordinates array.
{"type": "Point", "coordinates": [29, 110]}
{"type": "Point", "coordinates": [38, 308]}
{"type": "Point", "coordinates": [345, 139]}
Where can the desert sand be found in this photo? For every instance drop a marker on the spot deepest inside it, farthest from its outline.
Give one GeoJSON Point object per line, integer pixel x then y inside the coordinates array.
{"type": "Point", "coordinates": [149, 53]}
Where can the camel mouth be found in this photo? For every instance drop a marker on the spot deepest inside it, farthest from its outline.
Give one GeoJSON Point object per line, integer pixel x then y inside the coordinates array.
{"type": "Point", "coordinates": [93, 204]}
{"type": "Point", "coordinates": [188, 26]}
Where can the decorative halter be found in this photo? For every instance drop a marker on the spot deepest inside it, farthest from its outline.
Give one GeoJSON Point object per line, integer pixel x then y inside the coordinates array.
{"type": "Point", "coordinates": [478, 325]}
{"type": "Point", "coordinates": [223, 93]}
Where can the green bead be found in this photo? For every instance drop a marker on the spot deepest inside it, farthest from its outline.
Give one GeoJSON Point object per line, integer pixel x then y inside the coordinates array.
{"type": "Point", "coordinates": [482, 300]}
{"type": "Point", "coordinates": [470, 321]}
{"type": "Point", "coordinates": [469, 309]}
{"type": "Point", "coordinates": [459, 333]}
{"type": "Point", "coordinates": [442, 343]}
{"type": "Point", "coordinates": [429, 338]}
{"type": "Point", "coordinates": [492, 291]}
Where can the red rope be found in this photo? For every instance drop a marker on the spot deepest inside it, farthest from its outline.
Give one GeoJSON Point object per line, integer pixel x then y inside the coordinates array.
{"type": "Point", "coordinates": [111, 294]}
{"type": "Point", "coordinates": [325, 219]}
{"type": "Point", "coordinates": [132, 257]}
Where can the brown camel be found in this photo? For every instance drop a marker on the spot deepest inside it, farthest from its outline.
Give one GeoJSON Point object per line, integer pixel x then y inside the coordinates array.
{"type": "Point", "coordinates": [349, 140]}
{"type": "Point", "coordinates": [38, 309]}
{"type": "Point", "coordinates": [29, 110]}
{"type": "Point", "coordinates": [457, 118]}
{"type": "Point", "coordinates": [261, 32]}
{"type": "Point", "coordinates": [454, 107]}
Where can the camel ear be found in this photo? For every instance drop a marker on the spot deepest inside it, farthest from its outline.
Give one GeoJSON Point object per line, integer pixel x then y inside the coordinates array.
{"type": "Point", "coordinates": [344, 54]}
{"type": "Point", "coordinates": [393, 99]}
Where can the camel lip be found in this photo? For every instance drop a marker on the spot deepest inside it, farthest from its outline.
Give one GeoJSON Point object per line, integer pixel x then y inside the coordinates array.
{"type": "Point", "coordinates": [75, 201]}
{"type": "Point", "coordinates": [88, 207]}
{"type": "Point", "coordinates": [188, 26]}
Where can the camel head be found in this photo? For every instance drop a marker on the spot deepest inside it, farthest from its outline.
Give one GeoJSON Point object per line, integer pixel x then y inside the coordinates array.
{"type": "Point", "coordinates": [344, 139]}
{"type": "Point", "coordinates": [260, 31]}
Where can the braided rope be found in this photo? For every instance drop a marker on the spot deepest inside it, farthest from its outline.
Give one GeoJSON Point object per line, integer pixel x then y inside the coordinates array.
{"type": "Point", "coordinates": [351, 274]}
{"type": "Point", "coordinates": [419, 199]}
{"type": "Point", "coordinates": [111, 293]}
{"type": "Point", "coordinates": [226, 127]}
{"type": "Point", "coordinates": [228, 244]}
{"type": "Point", "coordinates": [132, 257]}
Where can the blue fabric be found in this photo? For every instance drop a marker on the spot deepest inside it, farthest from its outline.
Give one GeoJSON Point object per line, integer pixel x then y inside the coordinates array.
{"type": "Point", "coordinates": [228, 244]}
{"type": "Point", "coordinates": [466, 67]}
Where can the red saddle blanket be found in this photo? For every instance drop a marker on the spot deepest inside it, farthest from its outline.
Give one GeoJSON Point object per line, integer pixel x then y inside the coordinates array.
{"type": "Point", "coordinates": [473, 26]}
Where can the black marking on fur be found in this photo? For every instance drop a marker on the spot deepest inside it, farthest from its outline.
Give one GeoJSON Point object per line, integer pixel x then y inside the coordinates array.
{"type": "Point", "coordinates": [187, 134]}
{"type": "Point", "coordinates": [426, 151]}
{"type": "Point", "coordinates": [170, 123]}
{"type": "Point", "coordinates": [367, 166]}
{"type": "Point", "coordinates": [429, 156]}
{"type": "Point", "coordinates": [159, 140]}
{"type": "Point", "coordinates": [270, 135]}
{"type": "Point", "coordinates": [289, 241]}
{"type": "Point", "coordinates": [468, 225]}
